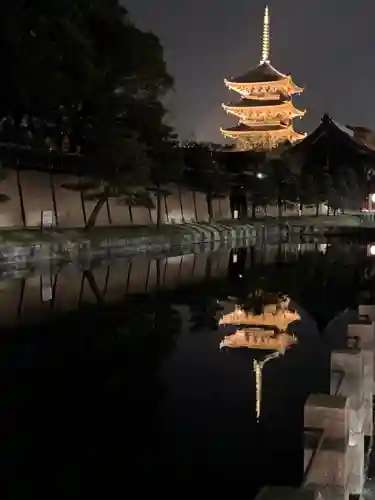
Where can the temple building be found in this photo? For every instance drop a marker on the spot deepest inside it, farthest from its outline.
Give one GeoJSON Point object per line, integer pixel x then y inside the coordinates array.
{"type": "Point", "coordinates": [333, 144]}
{"type": "Point", "coordinates": [265, 108]}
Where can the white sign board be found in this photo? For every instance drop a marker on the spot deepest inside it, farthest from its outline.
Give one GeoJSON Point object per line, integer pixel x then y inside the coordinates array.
{"type": "Point", "coordinates": [47, 218]}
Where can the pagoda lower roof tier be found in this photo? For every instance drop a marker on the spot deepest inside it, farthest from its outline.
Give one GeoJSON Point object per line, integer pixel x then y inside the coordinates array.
{"type": "Point", "coordinates": [243, 130]}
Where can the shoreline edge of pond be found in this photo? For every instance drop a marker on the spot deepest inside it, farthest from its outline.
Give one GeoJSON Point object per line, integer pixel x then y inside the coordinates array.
{"type": "Point", "coordinates": [33, 245]}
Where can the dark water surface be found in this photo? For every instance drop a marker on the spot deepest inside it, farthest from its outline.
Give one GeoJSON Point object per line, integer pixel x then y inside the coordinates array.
{"type": "Point", "coordinates": [112, 376]}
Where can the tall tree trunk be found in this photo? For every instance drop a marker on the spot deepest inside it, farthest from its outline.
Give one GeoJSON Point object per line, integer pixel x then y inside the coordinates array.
{"type": "Point", "coordinates": [108, 212]}
{"type": "Point", "coordinates": [253, 210]}
{"type": "Point", "coordinates": [280, 207]}
{"type": "Point", "coordinates": [181, 204]}
{"type": "Point", "coordinates": [209, 206]}
{"type": "Point", "coordinates": [130, 214]}
{"type": "Point", "coordinates": [84, 214]}
{"type": "Point", "coordinates": [95, 212]}
{"type": "Point", "coordinates": [158, 274]}
{"type": "Point", "coordinates": [195, 206]}
{"type": "Point", "coordinates": [317, 209]}
{"type": "Point", "coordinates": [53, 191]}
{"type": "Point", "coordinates": [20, 194]}
{"type": "Point", "coordinates": [243, 208]}
{"type": "Point", "coordinates": [158, 206]}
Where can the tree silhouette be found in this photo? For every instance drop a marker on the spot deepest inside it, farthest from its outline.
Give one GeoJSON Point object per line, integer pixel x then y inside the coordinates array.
{"type": "Point", "coordinates": [204, 173]}
{"type": "Point", "coordinates": [69, 88]}
{"type": "Point", "coordinates": [204, 314]}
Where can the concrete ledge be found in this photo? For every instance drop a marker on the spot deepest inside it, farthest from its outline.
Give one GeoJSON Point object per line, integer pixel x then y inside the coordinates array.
{"type": "Point", "coordinates": [329, 492]}
{"type": "Point", "coordinates": [183, 239]}
{"type": "Point", "coordinates": [368, 310]}
{"type": "Point", "coordinates": [326, 401]}
{"type": "Point", "coordinates": [287, 493]}
{"type": "Point", "coordinates": [339, 425]}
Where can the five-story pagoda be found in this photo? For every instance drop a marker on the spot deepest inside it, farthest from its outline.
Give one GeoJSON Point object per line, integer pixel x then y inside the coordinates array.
{"type": "Point", "coordinates": [265, 109]}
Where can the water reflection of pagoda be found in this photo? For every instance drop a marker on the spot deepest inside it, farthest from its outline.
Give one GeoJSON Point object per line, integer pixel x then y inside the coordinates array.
{"type": "Point", "coordinates": [265, 334]}
{"type": "Point", "coordinates": [265, 110]}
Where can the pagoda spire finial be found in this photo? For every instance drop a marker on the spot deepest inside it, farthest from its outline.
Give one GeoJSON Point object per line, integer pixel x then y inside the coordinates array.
{"type": "Point", "coordinates": [266, 37]}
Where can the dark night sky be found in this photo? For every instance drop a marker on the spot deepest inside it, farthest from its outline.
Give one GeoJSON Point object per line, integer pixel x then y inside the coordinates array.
{"type": "Point", "coordinates": [327, 45]}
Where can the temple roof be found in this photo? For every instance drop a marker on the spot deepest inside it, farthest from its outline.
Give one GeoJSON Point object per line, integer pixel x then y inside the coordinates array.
{"type": "Point", "coordinates": [263, 73]}
{"type": "Point", "coordinates": [334, 135]}
{"type": "Point", "coordinates": [363, 135]}
{"type": "Point", "coordinates": [256, 103]}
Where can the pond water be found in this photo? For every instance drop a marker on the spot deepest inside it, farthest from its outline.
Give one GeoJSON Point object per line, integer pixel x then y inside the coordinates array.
{"type": "Point", "coordinates": [111, 376]}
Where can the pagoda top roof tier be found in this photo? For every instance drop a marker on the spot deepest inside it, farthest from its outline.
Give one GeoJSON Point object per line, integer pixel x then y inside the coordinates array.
{"type": "Point", "coordinates": [264, 90]}
{"type": "Point", "coordinates": [263, 73]}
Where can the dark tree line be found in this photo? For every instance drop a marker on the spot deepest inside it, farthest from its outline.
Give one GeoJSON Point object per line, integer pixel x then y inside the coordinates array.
{"type": "Point", "coordinates": [281, 178]}
{"type": "Point", "coordinates": [82, 92]}
{"type": "Point", "coordinates": [295, 179]}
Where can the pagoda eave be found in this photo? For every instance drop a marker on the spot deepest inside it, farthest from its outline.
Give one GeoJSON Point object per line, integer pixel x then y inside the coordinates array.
{"type": "Point", "coordinates": [264, 92]}
{"type": "Point", "coordinates": [297, 136]}
{"type": "Point", "coordinates": [264, 72]}
{"type": "Point", "coordinates": [287, 133]}
{"type": "Point", "coordinates": [286, 110]}
{"type": "Point", "coordinates": [277, 84]}
{"type": "Point", "coordinates": [297, 90]}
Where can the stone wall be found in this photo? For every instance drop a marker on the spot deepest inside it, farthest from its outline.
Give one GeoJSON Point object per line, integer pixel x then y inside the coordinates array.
{"type": "Point", "coordinates": [273, 211]}
{"type": "Point", "coordinates": [29, 193]}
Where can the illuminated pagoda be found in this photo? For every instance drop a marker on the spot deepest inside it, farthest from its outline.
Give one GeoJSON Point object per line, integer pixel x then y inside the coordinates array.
{"type": "Point", "coordinates": [265, 108]}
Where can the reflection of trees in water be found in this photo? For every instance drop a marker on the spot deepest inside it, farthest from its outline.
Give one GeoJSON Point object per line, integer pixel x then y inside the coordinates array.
{"type": "Point", "coordinates": [82, 394]}
{"type": "Point", "coordinates": [323, 284]}
{"type": "Point", "coordinates": [368, 278]}
{"type": "Point", "coordinates": [203, 310]}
